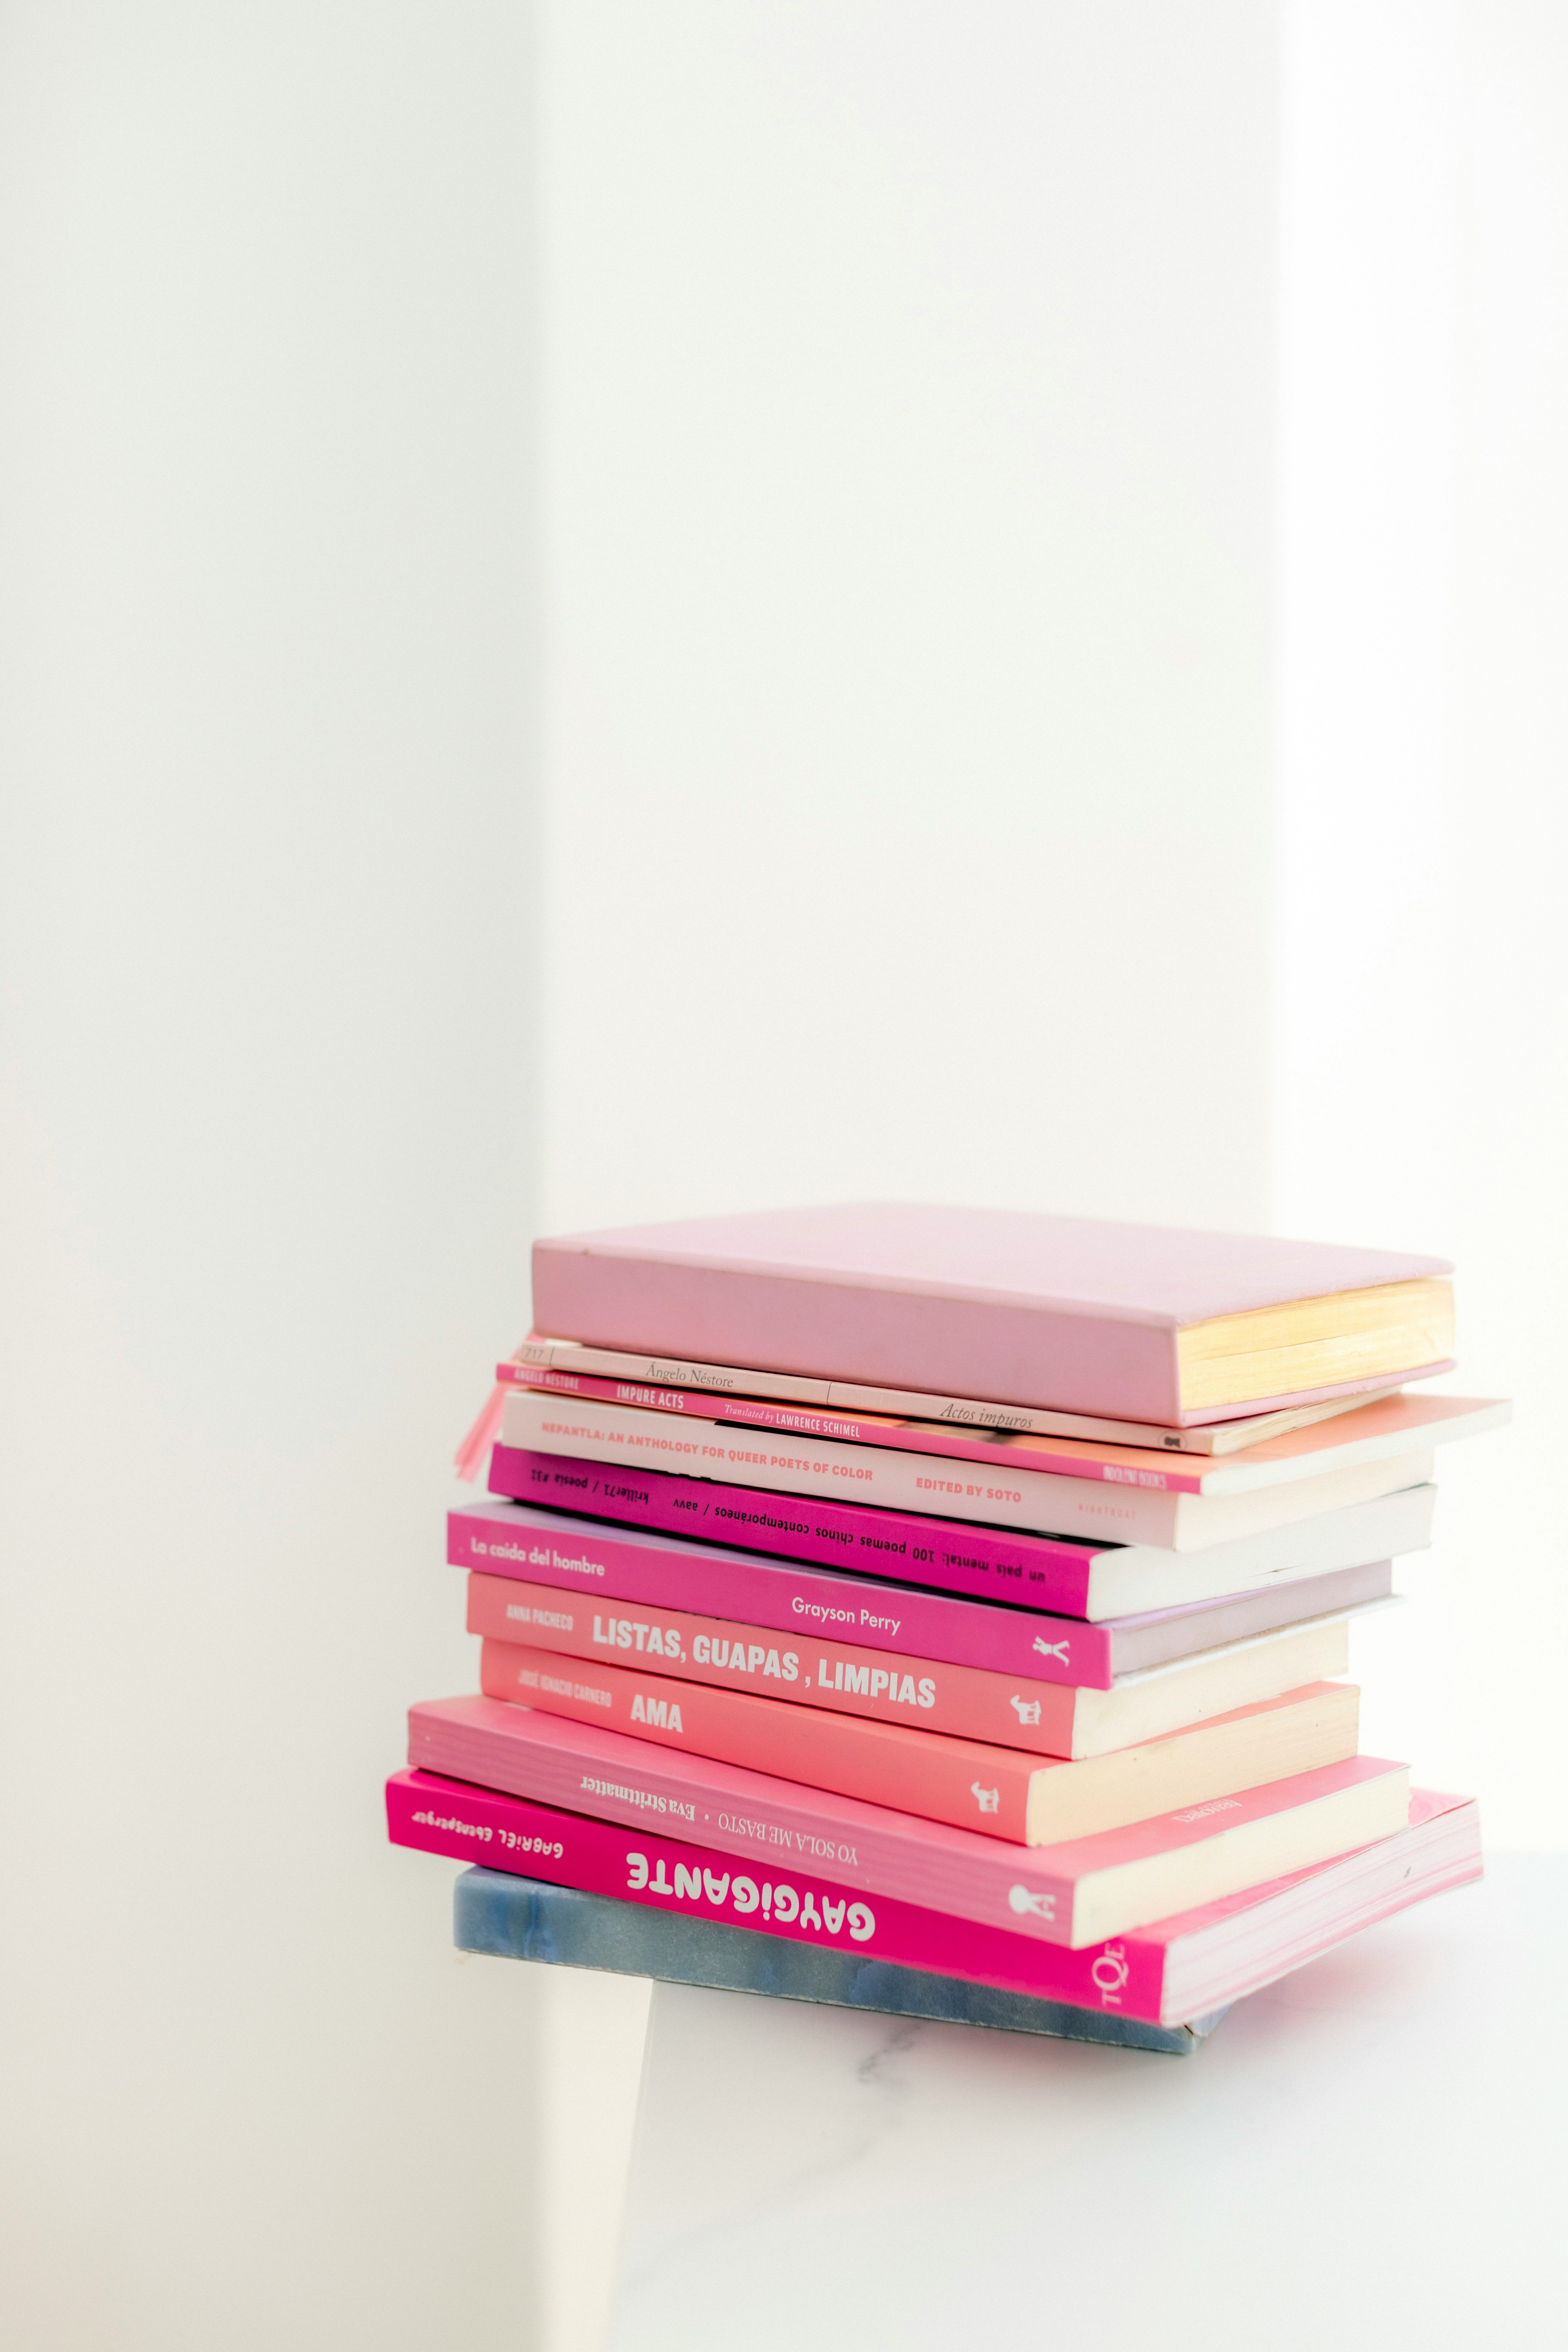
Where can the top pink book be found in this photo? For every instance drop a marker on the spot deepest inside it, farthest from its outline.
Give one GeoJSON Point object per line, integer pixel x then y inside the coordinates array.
{"type": "Point", "coordinates": [1066, 1314]}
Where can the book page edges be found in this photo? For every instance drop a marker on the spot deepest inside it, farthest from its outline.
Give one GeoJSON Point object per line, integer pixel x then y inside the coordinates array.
{"type": "Point", "coordinates": [1269, 1845]}
{"type": "Point", "coordinates": [1309, 1912]}
{"type": "Point", "coordinates": [1248, 1747]}
{"type": "Point", "coordinates": [1287, 1350]}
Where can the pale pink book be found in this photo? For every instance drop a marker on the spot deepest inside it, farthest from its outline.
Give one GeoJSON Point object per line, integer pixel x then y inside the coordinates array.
{"type": "Point", "coordinates": [1003, 1793]}
{"type": "Point", "coordinates": [1075, 1893]}
{"type": "Point", "coordinates": [1174, 1969]}
{"type": "Point", "coordinates": [1071, 1314]}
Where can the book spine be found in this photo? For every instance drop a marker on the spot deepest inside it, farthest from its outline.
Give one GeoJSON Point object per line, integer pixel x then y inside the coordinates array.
{"type": "Point", "coordinates": [887, 1686]}
{"type": "Point", "coordinates": [930, 1774]}
{"type": "Point", "coordinates": [1109, 1466]}
{"type": "Point", "coordinates": [1031, 1572]}
{"type": "Point", "coordinates": [435, 1815]}
{"type": "Point", "coordinates": [634, 1438]}
{"type": "Point", "coordinates": [662, 1371]}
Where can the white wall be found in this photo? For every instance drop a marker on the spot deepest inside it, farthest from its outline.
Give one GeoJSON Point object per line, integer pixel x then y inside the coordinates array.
{"type": "Point", "coordinates": [265, 573]}
{"type": "Point", "coordinates": [909, 425]}
{"type": "Point", "coordinates": [1421, 1072]}
{"type": "Point", "coordinates": [1503, 908]}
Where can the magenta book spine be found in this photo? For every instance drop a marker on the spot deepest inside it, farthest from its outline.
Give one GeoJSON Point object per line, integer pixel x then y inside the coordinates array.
{"type": "Point", "coordinates": [955, 1555]}
{"type": "Point", "coordinates": [581, 1556]}
{"type": "Point", "coordinates": [443, 1816]}
{"type": "Point", "coordinates": [1124, 1466]}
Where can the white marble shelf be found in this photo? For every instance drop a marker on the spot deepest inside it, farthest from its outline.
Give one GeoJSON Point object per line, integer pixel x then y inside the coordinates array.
{"type": "Point", "coordinates": [1370, 2154]}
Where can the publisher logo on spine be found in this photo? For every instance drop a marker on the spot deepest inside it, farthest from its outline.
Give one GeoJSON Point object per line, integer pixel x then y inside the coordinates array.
{"type": "Point", "coordinates": [1110, 1972]}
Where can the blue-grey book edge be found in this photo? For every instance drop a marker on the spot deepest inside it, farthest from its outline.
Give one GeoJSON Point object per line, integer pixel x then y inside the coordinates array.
{"type": "Point", "coordinates": [512, 1917]}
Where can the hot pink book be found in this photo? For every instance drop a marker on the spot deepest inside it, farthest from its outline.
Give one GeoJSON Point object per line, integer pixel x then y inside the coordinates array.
{"type": "Point", "coordinates": [1179, 1967]}
{"type": "Point", "coordinates": [1069, 1314]}
{"type": "Point", "coordinates": [1076, 1893]}
{"type": "Point", "coordinates": [1374, 1433]}
{"type": "Point", "coordinates": [1003, 1793]}
{"type": "Point", "coordinates": [645, 1566]}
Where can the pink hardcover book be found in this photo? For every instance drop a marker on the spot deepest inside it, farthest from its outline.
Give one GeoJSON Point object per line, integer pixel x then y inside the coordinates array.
{"type": "Point", "coordinates": [1015, 1495]}
{"type": "Point", "coordinates": [1055, 1573]}
{"type": "Point", "coordinates": [1066, 1314]}
{"type": "Point", "coordinates": [1373, 1433]}
{"type": "Point", "coordinates": [1003, 1710]}
{"type": "Point", "coordinates": [645, 1568]}
{"type": "Point", "coordinates": [1177, 1969]}
{"type": "Point", "coordinates": [1032, 1801]}
{"type": "Point", "coordinates": [1075, 1893]}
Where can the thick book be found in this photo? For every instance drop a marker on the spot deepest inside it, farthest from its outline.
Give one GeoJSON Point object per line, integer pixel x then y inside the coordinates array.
{"type": "Point", "coordinates": [1071, 1314]}
{"type": "Point", "coordinates": [538, 1352]}
{"type": "Point", "coordinates": [647, 1567]}
{"type": "Point", "coordinates": [1014, 1495]}
{"type": "Point", "coordinates": [1064, 1577]}
{"type": "Point", "coordinates": [1374, 1433]}
{"type": "Point", "coordinates": [1079, 1892]}
{"type": "Point", "coordinates": [1180, 1967]}
{"type": "Point", "coordinates": [517, 1918]}
{"type": "Point", "coordinates": [1003, 1793]}
{"type": "Point", "coordinates": [890, 1687]}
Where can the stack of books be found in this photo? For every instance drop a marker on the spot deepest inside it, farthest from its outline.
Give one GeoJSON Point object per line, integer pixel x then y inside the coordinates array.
{"type": "Point", "coordinates": [962, 1591]}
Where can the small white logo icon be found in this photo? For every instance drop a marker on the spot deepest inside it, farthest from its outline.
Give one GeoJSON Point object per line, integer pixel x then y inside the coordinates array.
{"type": "Point", "coordinates": [1110, 1973]}
{"type": "Point", "coordinates": [1053, 1649]}
{"type": "Point", "coordinates": [1029, 1709]}
{"type": "Point", "coordinates": [1019, 1899]}
{"type": "Point", "coordinates": [989, 1800]}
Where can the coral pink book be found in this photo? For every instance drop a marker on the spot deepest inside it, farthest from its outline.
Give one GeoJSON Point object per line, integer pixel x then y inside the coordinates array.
{"type": "Point", "coordinates": [1001, 1791]}
{"type": "Point", "coordinates": [1137, 1323]}
{"type": "Point", "coordinates": [1075, 1893]}
{"type": "Point", "coordinates": [1177, 1969]}
{"type": "Point", "coordinates": [1045, 1718]}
